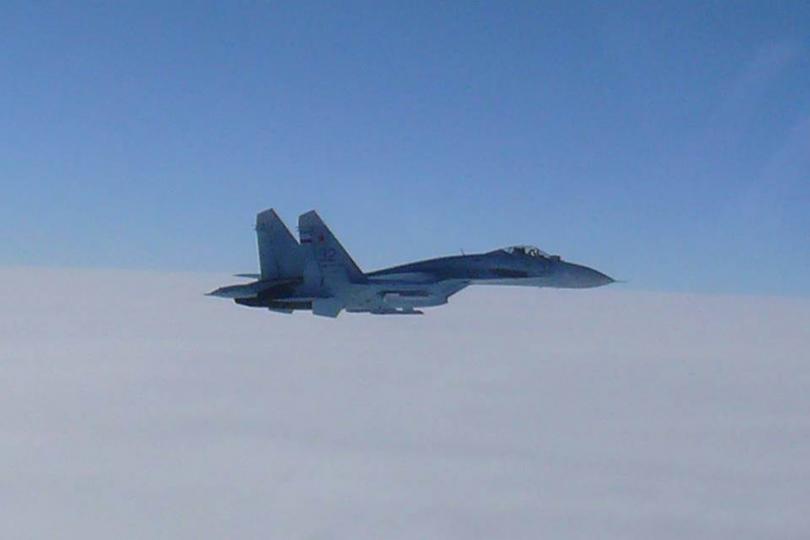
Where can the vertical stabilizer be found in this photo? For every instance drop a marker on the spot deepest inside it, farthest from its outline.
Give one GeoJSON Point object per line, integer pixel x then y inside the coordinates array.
{"type": "Point", "coordinates": [333, 260]}
{"type": "Point", "coordinates": [280, 256]}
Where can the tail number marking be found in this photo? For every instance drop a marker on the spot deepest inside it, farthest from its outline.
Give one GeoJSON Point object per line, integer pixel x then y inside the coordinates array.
{"type": "Point", "coordinates": [327, 254]}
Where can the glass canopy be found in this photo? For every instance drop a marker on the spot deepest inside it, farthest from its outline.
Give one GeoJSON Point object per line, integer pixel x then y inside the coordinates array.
{"type": "Point", "coordinates": [531, 251]}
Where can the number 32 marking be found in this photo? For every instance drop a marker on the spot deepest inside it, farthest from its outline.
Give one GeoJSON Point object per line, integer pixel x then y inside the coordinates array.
{"type": "Point", "coordinates": [327, 254]}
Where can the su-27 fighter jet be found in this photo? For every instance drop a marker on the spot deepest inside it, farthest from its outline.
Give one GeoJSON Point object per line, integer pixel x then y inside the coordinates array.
{"type": "Point", "coordinates": [318, 274]}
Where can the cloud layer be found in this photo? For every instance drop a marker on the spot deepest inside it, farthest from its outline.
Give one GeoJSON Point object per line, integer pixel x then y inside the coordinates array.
{"type": "Point", "coordinates": [134, 407]}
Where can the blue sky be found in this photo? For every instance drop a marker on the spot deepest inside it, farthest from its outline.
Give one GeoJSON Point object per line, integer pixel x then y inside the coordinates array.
{"type": "Point", "coordinates": [668, 145]}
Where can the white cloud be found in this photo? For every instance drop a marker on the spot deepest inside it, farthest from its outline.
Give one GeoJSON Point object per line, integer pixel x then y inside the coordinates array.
{"type": "Point", "coordinates": [135, 407]}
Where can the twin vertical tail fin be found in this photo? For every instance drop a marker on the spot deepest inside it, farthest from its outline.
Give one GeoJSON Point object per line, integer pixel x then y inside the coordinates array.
{"type": "Point", "coordinates": [333, 261]}
{"type": "Point", "coordinates": [280, 255]}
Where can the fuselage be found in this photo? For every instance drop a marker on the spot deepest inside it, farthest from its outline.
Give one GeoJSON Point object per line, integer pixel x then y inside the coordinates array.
{"type": "Point", "coordinates": [316, 272]}
{"type": "Point", "coordinates": [500, 267]}
{"type": "Point", "coordinates": [423, 283]}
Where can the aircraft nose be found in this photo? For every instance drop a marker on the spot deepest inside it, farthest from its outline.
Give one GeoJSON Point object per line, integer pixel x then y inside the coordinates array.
{"type": "Point", "coordinates": [582, 277]}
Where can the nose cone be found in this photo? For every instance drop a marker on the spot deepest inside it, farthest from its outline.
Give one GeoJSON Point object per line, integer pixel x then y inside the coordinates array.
{"type": "Point", "coordinates": [575, 276]}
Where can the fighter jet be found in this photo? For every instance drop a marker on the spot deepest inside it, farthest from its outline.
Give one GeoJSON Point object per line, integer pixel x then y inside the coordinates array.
{"type": "Point", "coordinates": [318, 274]}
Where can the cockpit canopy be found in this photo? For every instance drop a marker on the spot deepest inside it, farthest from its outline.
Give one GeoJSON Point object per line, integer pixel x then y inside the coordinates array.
{"type": "Point", "coordinates": [531, 251]}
